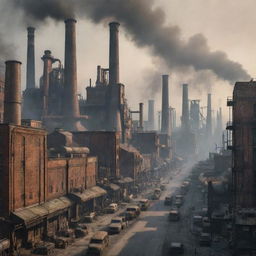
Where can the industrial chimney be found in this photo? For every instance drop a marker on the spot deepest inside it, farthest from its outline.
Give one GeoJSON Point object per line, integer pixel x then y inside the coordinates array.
{"type": "Point", "coordinates": [141, 117]}
{"type": "Point", "coordinates": [165, 105]}
{"type": "Point", "coordinates": [71, 107]}
{"type": "Point", "coordinates": [151, 114]}
{"type": "Point", "coordinates": [209, 116]}
{"type": "Point", "coordinates": [31, 58]}
{"type": "Point", "coordinates": [114, 53]}
{"type": "Point", "coordinates": [185, 108]}
{"type": "Point", "coordinates": [48, 61]}
{"type": "Point", "coordinates": [12, 92]}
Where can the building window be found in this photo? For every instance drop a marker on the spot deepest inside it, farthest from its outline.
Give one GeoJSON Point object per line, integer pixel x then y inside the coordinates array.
{"type": "Point", "coordinates": [254, 136]}
{"type": "Point", "coordinates": [254, 110]}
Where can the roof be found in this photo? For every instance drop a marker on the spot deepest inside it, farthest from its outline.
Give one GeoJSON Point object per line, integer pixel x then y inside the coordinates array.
{"type": "Point", "coordinates": [32, 214]}
{"type": "Point", "coordinates": [114, 186]}
{"type": "Point", "coordinates": [100, 235]}
{"type": "Point", "coordinates": [125, 180]}
{"type": "Point", "coordinates": [89, 194]}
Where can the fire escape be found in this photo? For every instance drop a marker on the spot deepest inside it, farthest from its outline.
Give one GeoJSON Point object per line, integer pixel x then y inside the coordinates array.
{"type": "Point", "coordinates": [230, 126]}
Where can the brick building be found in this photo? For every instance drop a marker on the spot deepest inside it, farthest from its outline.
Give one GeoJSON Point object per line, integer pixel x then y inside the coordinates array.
{"type": "Point", "coordinates": [106, 146]}
{"type": "Point", "coordinates": [244, 143]}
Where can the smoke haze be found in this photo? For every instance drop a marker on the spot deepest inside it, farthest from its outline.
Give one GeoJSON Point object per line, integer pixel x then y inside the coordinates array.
{"type": "Point", "coordinates": [146, 26]}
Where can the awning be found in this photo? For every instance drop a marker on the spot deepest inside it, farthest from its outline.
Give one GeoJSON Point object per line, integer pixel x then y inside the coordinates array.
{"type": "Point", "coordinates": [33, 214]}
{"type": "Point", "coordinates": [125, 180]}
{"type": "Point", "coordinates": [57, 204]}
{"type": "Point", "coordinates": [114, 186]}
{"type": "Point", "coordinates": [89, 194]}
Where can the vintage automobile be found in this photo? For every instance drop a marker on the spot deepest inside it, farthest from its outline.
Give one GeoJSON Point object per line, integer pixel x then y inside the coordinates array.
{"type": "Point", "coordinates": [89, 217]}
{"type": "Point", "coordinates": [205, 239]}
{"type": "Point", "coordinates": [44, 249]}
{"type": "Point", "coordinates": [176, 248]}
{"type": "Point", "coordinates": [174, 215]}
{"type": "Point", "coordinates": [98, 244]}
{"type": "Point", "coordinates": [168, 200]}
{"type": "Point", "coordinates": [116, 225]}
{"type": "Point", "coordinates": [132, 212]}
{"type": "Point", "coordinates": [156, 194]}
{"type": "Point", "coordinates": [144, 204]}
{"type": "Point", "coordinates": [112, 208]}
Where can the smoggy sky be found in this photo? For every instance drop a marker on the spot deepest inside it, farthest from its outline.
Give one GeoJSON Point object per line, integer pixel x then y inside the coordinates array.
{"type": "Point", "coordinates": [228, 26]}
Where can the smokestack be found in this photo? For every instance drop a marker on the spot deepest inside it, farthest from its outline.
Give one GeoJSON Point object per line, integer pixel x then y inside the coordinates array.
{"type": "Point", "coordinates": [12, 92]}
{"type": "Point", "coordinates": [99, 75]}
{"type": "Point", "coordinates": [48, 60]}
{"type": "Point", "coordinates": [209, 116]}
{"type": "Point", "coordinates": [141, 116]}
{"type": "Point", "coordinates": [165, 105]}
{"type": "Point", "coordinates": [195, 115]}
{"type": "Point", "coordinates": [31, 58]}
{"type": "Point", "coordinates": [71, 107]}
{"type": "Point", "coordinates": [185, 108]}
{"type": "Point", "coordinates": [151, 114]}
{"type": "Point", "coordinates": [114, 53]}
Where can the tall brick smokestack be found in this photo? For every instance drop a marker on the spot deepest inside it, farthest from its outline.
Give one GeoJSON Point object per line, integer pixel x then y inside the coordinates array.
{"type": "Point", "coordinates": [31, 58]}
{"type": "Point", "coordinates": [71, 107]}
{"type": "Point", "coordinates": [141, 116]}
{"type": "Point", "coordinates": [165, 105]}
{"type": "Point", "coordinates": [114, 53]}
{"type": "Point", "coordinates": [151, 114]}
{"type": "Point", "coordinates": [48, 60]}
{"type": "Point", "coordinates": [185, 108]}
{"type": "Point", "coordinates": [12, 92]}
{"type": "Point", "coordinates": [209, 116]}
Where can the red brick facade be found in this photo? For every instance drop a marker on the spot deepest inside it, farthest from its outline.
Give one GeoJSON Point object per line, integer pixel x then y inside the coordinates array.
{"type": "Point", "coordinates": [22, 167]}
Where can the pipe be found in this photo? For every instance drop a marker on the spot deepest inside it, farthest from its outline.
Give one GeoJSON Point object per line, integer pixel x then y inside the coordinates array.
{"type": "Point", "coordinates": [114, 53]}
{"type": "Point", "coordinates": [71, 107]}
{"type": "Point", "coordinates": [165, 105]}
{"type": "Point", "coordinates": [12, 92]}
{"type": "Point", "coordinates": [31, 58]}
{"type": "Point", "coordinates": [48, 60]}
{"type": "Point", "coordinates": [185, 108]}
{"type": "Point", "coordinates": [141, 116]}
{"type": "Point", "coordinates": [151, 114]}
{"type": "Point", "coordinates": [209, 116]}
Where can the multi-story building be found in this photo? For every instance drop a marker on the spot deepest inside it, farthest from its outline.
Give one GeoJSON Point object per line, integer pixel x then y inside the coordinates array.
{"type": "Point", "coordinates": [243, 145]}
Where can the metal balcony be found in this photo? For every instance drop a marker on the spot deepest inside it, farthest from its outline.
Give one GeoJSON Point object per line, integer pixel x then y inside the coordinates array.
{"type": "Point", "coordinates": [230, 102]}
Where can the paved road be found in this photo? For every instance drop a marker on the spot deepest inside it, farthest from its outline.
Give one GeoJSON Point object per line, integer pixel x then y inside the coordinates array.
{"type": "Point", "coordinates": [152, 233]}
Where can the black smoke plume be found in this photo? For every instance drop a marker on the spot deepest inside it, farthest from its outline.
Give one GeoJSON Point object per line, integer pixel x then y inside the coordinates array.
{"type": "Point", "coordinates": [146, 25]}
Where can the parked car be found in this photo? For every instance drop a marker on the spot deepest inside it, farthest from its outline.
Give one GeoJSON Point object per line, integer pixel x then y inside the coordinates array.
{"type": "Point", "coordinates": [132, 212]}
{"type": "Point", "coordinates": [116, 225]}
{"type": "Point", "coordinates": [144, 204]}
{"type": "Point", "coordinates": [112, 208]}
{"type": "Point", "coordinates": [90, 217]}
{"type": "Point", "coordinates": [174, 215]}
{"type": "Point", "coordinates": [61, 243]}
{"type": "Point", "coordinates": [80, 232]}
{"type": "Point", "coordinates": [205, 239]}
{"type": "Point", "coordinates": [168, 200]}
{"type": "Point", "coordinates": [176, 248]}
{"type": "Point", "coordinates": [178, 203]}
{"type": "Point", "coordinates": [156, 194]}
{"type": "Point", "coordinates": [44, 249]}
{"type": "Point", "coordinates": [98, 244]}
{"type": "Point", "coordinates": [197, 220]}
